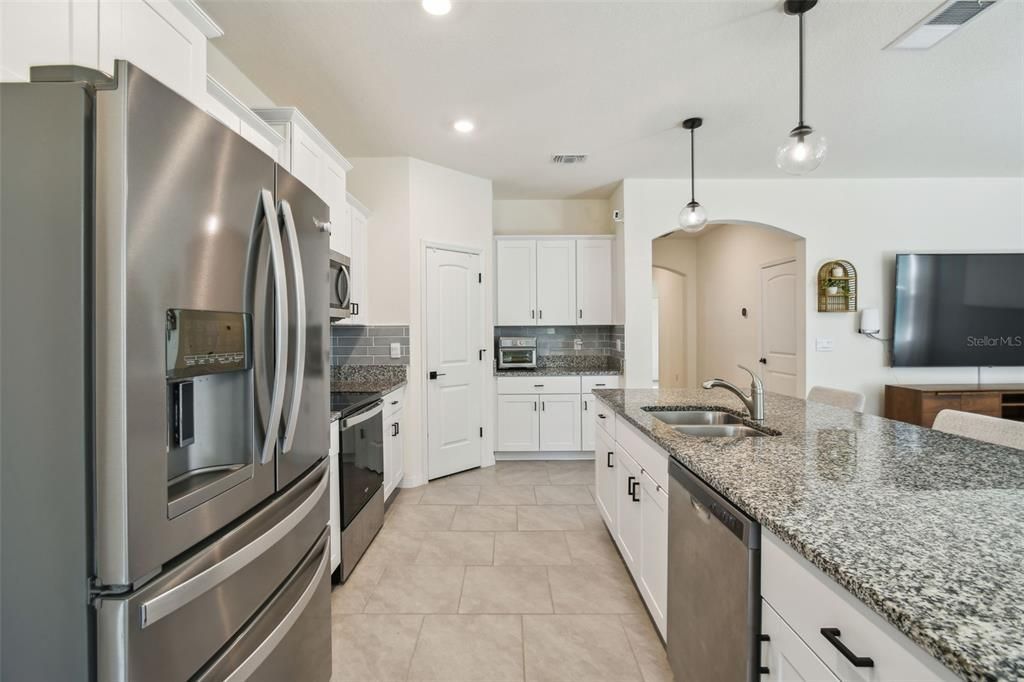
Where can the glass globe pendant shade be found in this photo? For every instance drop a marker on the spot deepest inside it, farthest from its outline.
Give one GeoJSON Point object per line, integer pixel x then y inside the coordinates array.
{"type": "Point", "coordinates": [802, 152]}
{"type": "Point", "coordinates": [693, 217]}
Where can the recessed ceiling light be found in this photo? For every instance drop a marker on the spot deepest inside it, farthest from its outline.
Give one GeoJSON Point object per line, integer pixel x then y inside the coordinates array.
{"type": "Point", "coordinates": [437, 7]}
{"type": "Point", "coordinates": [464, 125]}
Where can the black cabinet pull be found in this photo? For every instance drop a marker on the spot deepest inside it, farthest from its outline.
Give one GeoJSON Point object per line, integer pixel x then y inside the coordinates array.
{"type": "Point", "coordinates": [629, 485]}
{"type": "Point", "coordinates": [634, 493]}
{"type": "Point", "coordinates": [540, 314]}
{"type": "Point", "coordinates": [542, 406]}
{"type": "Point", "coordinates": [600, 416]}
{"type": "Point", "coordinates": [832, 635]}
{"type": "Point", "coordinates": [531, 314]}
{"type": "Point", "coordinates": [538, 385]}
{"type": "Point", "coordinates": [534, 405]}
{"type": "Point", "coordinates": [581, 313]}
{"type": "Point", "coordinates": [764, 670]}
{"type": "Point", "coordinates": [610, 465]}
{"type": "Point", "coordinates": [584, 405]}
{"type": "Point", "coordinates": [764, 638]}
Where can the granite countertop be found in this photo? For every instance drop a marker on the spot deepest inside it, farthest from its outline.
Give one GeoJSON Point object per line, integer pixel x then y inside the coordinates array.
{"type": "Point", "coordinates": [367, 378]}
{"type": "Point", "coordinates": [923, 527]}
{"type": "Point", "coordinates": [555, 372]}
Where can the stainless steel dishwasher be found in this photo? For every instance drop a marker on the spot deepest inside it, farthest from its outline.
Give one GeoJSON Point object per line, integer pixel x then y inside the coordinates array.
{"type": "Point", "coordinates": [714, 592]}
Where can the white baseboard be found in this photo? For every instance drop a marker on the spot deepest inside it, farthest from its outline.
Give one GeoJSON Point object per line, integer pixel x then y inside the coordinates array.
{"type": "Point", "coordinates": [527, 456]}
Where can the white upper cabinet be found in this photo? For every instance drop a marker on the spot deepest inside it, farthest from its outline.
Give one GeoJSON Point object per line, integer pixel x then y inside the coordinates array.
{"type": "Point", "coordinates": [233, 113]}
{"type": "Point", "coordinates": [165, 38]}
{"type": "Point", "coordinates": [308, 155]}
{"type": "Point", "coordinates": [359, 218]}
{"type": "Point", "coordinates": [594, 281]}
{"type": "Point", "coordinates": [516, 285]}
{"type": "Point", "coordinates": [553, 281]}
{"type": "Point", "coordinates": [556, 282]}
{"type": "Point", "coordinates": [337, 199]}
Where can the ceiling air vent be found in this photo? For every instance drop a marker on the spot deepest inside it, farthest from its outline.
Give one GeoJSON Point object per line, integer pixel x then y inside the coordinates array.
{"type": "Point", "coordinates": [568, 159]}
{"type": "Point", "coordinates": [939, 24]}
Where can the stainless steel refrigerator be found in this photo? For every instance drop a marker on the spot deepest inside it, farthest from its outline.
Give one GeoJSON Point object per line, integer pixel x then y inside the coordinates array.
{"type": "Point", "coordinates": [164, 419]}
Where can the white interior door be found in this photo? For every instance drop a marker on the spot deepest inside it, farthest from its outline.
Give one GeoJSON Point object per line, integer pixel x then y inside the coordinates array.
{"type": "Point", "coordinates": [454, 338]}
{"type": "Point", "coordinates": [556, 282]}
{"type": "Point", "coordinates": [780, 342]}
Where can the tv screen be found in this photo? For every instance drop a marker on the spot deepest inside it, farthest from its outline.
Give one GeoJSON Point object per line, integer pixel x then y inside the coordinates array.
{"type": "Point", "coordinates": [959, 310]}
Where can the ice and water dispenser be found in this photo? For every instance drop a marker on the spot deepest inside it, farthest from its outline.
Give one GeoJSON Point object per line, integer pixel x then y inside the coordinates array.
{"type": "Point", "coordinates": [211, 437]}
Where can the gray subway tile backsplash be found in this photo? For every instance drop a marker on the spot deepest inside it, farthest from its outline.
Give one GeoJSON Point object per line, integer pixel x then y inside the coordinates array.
{"type": "Point", "coordinates": [368, 345]}
{"type": "Point", "coordinates": [594, 340]}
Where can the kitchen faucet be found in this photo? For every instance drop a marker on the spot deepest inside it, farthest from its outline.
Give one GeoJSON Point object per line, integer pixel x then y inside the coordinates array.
{"type": "Point", "coordinates": [754, 402]}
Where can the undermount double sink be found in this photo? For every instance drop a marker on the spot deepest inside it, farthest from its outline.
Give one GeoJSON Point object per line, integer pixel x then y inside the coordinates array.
{"type": "Point", "coordinates": [707, 423]}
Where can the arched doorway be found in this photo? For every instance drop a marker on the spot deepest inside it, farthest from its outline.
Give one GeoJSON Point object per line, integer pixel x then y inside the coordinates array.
{"type": "Point", "coordinates": [744, 305]}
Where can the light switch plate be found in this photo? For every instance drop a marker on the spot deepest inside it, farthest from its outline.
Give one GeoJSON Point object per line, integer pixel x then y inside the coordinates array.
{"type": "Point", "coordinates": [396, 350]}
{"type": "Point", "coordinates": [823, 345]}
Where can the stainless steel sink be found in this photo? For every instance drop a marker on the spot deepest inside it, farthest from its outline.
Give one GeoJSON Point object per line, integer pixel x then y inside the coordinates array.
{"type": "Point", "coordinates": [694, 417]}
{"type": "Point", "coordinates": [720, 431]}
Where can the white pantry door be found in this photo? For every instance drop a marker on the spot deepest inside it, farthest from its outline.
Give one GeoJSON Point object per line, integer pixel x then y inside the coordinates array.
{"type": "Point", "coordinates": [780, 342]}
{"type": "Point", "coordinates": [455, 396]}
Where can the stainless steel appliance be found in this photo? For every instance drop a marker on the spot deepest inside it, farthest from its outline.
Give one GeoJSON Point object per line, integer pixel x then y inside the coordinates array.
{"type": "Point", "coordinates": [341, 287]}
{"type": "Point", "coordinates": [165, 508]}
{"type": "Point", "coordinates": [714, 592]}
{"type": "Point", "coordinates": [361, 476]}
{"type": "Point", "coordinates": [517, 352]}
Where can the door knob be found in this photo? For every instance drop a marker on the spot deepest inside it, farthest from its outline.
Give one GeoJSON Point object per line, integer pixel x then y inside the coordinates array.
{"type": "Point", "coordinates": [434, 375]}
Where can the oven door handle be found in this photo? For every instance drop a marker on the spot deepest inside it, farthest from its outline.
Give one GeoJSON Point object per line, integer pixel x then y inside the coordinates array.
{"type": "Point", "coordinates": [365, 415]}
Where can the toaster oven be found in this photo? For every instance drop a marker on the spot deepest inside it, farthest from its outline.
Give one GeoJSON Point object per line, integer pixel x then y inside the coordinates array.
{"type": "Point", "coordinates": [517, 352]}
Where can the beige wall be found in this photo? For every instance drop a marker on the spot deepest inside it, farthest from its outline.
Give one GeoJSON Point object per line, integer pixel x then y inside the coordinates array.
{"type": "Point", "coordinates": [552, 216]}
{"type": "Point", "coordinates": [232, 78]}
{"type": "Point", "coordinates": [680, 255]}
{"type": "Point", "coordinates": [615, 203]}
{"type": "Point", "coordinates": [730, 258]}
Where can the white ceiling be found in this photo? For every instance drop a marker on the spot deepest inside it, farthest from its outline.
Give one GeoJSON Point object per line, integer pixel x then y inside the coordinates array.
{"type": "Point", "coordinates": [614, 79]}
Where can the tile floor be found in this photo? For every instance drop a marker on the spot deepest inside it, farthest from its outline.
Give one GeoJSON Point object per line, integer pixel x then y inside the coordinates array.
{"type": "Point", "coordinates": [504, 573]}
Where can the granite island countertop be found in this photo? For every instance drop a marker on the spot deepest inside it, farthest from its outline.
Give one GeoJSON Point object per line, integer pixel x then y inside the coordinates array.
{"type": "Point", "coordinates": [923, 527]}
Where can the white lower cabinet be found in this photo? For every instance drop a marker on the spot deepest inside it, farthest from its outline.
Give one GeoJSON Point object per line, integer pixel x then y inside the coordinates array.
{"type": "Point", "coordinates": [394, 442]}
{"type": "Point", "coordinates": [605, 477]}
{"type": "Point", "coordinates": [784, 656]}
{"type": "Point", "coordinates": [518, 423]}
{"type": "Point", "coordinates": [628, 518]}
{"type": "Point", "coordinates": [653, 580]}
{"type": "Point", "coordinates": [587, 422]}
{"type": "Point", "coordinates": [559, 423]}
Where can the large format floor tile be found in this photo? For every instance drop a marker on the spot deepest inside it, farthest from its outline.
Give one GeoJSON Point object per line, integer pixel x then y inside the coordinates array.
{"type": "Point", "coordinates": [469, 649]}
{"type": "Point", "coordinates": [577, 648]}
{"type": "Point", "coordinates": [500, 573]}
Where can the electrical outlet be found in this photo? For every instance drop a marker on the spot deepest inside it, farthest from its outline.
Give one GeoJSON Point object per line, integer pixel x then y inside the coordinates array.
{"type": "Point", "coordinates": [618, 344]}
{"type": "Point", "coordinates": [396, 350]}
{"type": "Point", "coordinates": [577, 344]}
{"type": "Point", "coordinates": [823, 345]}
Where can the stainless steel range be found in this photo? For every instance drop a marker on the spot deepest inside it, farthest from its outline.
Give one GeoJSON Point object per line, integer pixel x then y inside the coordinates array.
{"type": "Point", "coordinates": [165, 327]}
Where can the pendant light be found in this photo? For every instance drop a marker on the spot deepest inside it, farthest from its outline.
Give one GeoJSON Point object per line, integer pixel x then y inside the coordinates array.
{"type": "Point", "coordinates": [693, 217]}
{"type": "Point", "coordinates": [805, 148]}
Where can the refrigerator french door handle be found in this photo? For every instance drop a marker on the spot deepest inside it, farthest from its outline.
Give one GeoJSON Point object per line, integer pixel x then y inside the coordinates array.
{"type": "Point", "coordinates": [300, 325]}
{"type": "Point", "coordinates": [175, 598]}
{"type": "Point", "coordinates": [267, 646]}
{"type": "Point", "coordinates": [281, 329]}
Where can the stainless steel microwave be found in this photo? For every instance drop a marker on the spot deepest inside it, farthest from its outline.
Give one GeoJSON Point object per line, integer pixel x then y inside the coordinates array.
{"type": "Point", "coordinates": [517, 352]}
{"type": "Point", "coordinates": [341, 287]}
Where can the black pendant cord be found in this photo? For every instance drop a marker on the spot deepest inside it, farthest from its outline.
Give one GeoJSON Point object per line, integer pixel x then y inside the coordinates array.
{"type": "Point", "coordinates": [801, 17]}
{"type": "Point", "coordinates": [693, 194]}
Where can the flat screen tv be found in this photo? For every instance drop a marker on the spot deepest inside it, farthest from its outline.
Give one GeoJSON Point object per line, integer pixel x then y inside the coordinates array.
{"type": "Point", "coordinates": [959, 310]}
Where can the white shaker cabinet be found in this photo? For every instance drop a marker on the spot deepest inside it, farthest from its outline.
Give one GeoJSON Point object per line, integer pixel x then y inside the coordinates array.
{"type": "Point", "coordinates": [605, 478]}
{"type": "Point", "coordinates": [359, 217]}
{"type": "Point", "coordinates": [628, 519]}
{"type": "Point", "coordinates": [230, 111]}
{"type": "Point", "coordinates": [587, 422]}
{"type": "Point", "coordinates": [164, 38]}
{"type": "Point", "coordinates": [594, 281]}
{"type": "Point", "coordinates": [518, 423]}
{"type": "Point", "coordinates": [516, 282]}
{"type": "Point", "coordinates": [785, 655]}
{"type": "Point", "coordinates": [560, 423]}
{"type": "Point", "coordinates": [653, 580]}
{"type": "Point", "coordinates": [394, 441]}
{"type": "Point", "coordinates": [556, 282]}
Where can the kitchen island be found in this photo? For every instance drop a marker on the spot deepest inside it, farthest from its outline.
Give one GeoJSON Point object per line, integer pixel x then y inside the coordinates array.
{"type": "Point", "coordinates": [923, 528]}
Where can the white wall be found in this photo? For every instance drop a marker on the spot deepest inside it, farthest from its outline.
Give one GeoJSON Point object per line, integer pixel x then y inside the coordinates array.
{"type": "Point", "coordinates": [864, 221]}
{"type": "Point", "coordinates": [383, 185]}
{"type": "Point", "coordinates": [552, 216]}
{"type": "Point", "coordinates": [414, 202]}
{"type": "Point", "coordinates": [617, 203]}
{"type": "Point", "coordinates": [233, 79]}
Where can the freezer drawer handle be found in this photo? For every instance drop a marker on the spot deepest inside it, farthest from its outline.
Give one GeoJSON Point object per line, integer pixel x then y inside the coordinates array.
{"type": "Point", "coordinates": [267, 646]}
{"type": "Point", "coordinates": [832, 635]}
{"type": "Point", "coordinates": [265, 212]}
{"type": "Point", "coordinates": [181, 595]}
{"type": "Point", "coordinates": [300, 325]}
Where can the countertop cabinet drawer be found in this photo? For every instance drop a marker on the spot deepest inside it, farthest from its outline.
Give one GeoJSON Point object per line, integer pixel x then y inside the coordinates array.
{"type": "Point", "coordinates": [537, 385]}
{"type": "Point", "coordinates": [808, 601]}
{"type": "Point", "coordinates": [589, 383]}
{"type": "Point", "coordinates": [650, 459]}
